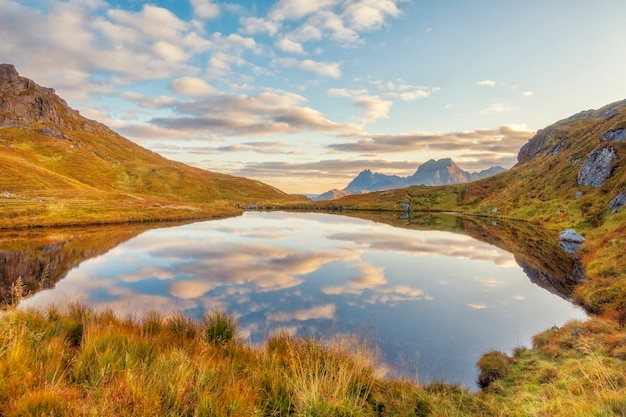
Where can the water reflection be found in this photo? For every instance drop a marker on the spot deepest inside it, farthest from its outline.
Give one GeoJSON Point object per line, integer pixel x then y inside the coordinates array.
{"type": "Point", "coordinates": [433, 301]}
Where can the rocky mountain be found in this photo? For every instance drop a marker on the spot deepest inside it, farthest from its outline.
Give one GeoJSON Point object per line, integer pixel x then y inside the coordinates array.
{"type": "Point", "coordinates": [442, 172]}
{"type": "Point", "coordinates": [64, 168]}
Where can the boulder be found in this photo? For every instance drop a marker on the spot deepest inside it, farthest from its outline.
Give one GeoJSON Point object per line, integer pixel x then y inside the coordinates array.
{"type": "Point", "coordinates": [570, 235]}
{"type": "Point", "coordinates": [570, 240]}
{"type": "Point", "coordinates": [618, 202]}
{"type": "Point", "coordinates": [617, 135]}
{"type": "Point", "coordinates": [598, 167]}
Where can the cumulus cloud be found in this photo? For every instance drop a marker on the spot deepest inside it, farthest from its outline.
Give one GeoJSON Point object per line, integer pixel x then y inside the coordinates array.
{"type": "Point", "coordinates": [191, 86]}
{"type": "Point", "coordinates": [326, 69]}
{"type": "Point", "coordinates": [290, 46]}
{"type": "Point", "coordinates": [270, 112]}
{"type": "Point", "coordinates": [205, 9]}
{"type": "Point", "coordinates": [261, 147]}
{"type": "Point", "coordinates": [340, 21]}
{"type": "Point", "coordinates": [255, 25]}
{"type": "Point", "coordinates": [324, 312]}
{"type": "Point", "coordinates": [337, 169]}
{"type": "Point", "coordinates": [504, 141]}
{"type": "Point", "coordinates": [148, 101]}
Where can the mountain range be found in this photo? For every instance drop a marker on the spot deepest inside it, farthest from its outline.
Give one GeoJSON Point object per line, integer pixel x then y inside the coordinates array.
{"type": "Point", "coordinates": [441, 172]}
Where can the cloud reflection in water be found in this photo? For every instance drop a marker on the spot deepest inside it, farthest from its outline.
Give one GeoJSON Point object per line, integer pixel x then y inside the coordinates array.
{"type": "Point", "coordinates": [438, 295]}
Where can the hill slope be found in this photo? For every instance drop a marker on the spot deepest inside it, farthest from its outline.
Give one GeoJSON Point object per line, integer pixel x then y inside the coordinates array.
{"type": "Point", "coordinates": [570, 174]}
{"type": "Point", "coordinates": [63, 168]}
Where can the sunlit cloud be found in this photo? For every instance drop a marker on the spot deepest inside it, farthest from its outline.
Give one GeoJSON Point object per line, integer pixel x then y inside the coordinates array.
{"type": "Point", "coordinates": [326, 69]}
{"type": "Point", "coordinates": [486, 83]}
{"type": "Point", "coordinates": [490, 282]}
{"type": "Point", "coordinates": [325, 312]}
{"type": "Point", "coordinates": [190, 288]}
{"type": "Point", "coordinates": [480, 306]}
{"type": "Point", "coordinates": [290, 46]}
{"type": "Point", "coordinates": [205, 9]}
{"type": "Point", "coordinates": [191, 86]}
{"type": "Point", "coordinates": [502, 142]}
{"type": "Point", "coordinates": [148, 273]}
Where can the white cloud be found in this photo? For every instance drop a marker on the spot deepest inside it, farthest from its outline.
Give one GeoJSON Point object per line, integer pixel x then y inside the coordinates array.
{"type": "Point", "coordinates": [368, 15]}
{"type": "Point", "coordinates": [486, 83]}
{"type": "Point", "coordinates": [191, 86]}
{"type": "Point", "coordinates": [376, 108]}
{"type": "Point", "coordinates": [148, 101]}
{"type": "Point", "coordinates": [169, 52]}
{"type": "Point", "coordinates": [298, 9]}
{"type": "Point", "coordinates": [327, 69]}
{"type": "Point", "coordinates": [205, 9]}
{"type": "Point", "coordinates": [480, 306]}
{"type": "Point", "coordinates": [325, 312]}
{"type": "Point", "coordinates": [287, 45]}
{"type": "Point", "coordinates": [254, 25]}
{"type": "Point", "coordinates": [528, 93]}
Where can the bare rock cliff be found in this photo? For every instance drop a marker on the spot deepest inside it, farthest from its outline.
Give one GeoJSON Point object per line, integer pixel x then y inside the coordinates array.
{"type": "Point", "coordinates": [23, 103]}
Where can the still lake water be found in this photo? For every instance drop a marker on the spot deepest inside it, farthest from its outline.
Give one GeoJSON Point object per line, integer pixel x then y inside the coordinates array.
{"type": "Point", "coordinates": [432, 301]}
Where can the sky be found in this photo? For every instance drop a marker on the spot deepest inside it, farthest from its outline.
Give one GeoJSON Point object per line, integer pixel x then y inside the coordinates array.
{"type": "Point", "coordinates": [305, 94]}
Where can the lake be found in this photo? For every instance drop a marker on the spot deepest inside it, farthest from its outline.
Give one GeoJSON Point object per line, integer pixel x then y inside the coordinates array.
{"type": "Point", "coordinates": [432, 301]}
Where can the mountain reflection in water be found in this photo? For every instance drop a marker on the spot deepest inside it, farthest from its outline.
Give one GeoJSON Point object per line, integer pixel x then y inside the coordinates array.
{"type": "Point", "coordinates": [432, 301]}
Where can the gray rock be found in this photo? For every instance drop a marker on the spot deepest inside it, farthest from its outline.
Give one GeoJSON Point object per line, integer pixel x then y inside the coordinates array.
{"type": "Point", "coordinates": [578, 194]}
{"type": "Point", "coordinates": [598, 167]}
{"type": "Point", "coordinates": [53, 132]}
{"type": "Point", "coordinates": [609, 114]}
{"type": "Point", "coordinates": [618, 202]}
{"type": "Point", "coordinates": [570, 235]}
{"type": "Point", "coordinates": [617, 135]}
{"type": "Point", "coordinates": [570, 241]}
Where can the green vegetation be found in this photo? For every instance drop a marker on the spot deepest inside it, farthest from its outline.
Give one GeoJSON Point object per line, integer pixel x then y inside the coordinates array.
{"type": "Point", "coordinates": [98, 177]}
{"type": "Point", "coordinates": [78, 362]}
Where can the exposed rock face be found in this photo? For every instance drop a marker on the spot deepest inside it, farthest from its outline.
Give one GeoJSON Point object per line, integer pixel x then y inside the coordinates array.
{"type": "Point", "coordinates": [617, 135]}
{"type": "Point", "coordinates": [598, 167]}
{"type": "Point", "coordinates": [545, 142]}
{"type": "Point", "coordinates": [24, 103]}
{"type": "Point", "coordinates": [571, 241]}
{"type": "Point", "coordinates": [618, 202]}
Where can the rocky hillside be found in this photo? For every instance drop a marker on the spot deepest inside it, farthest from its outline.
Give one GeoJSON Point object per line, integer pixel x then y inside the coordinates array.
{"type": "Point", "coordinates": [441, 172]}
{"type": "Point", "coordinates": [572, 174]}
{"type": "Point", "coordinates": [63, 168]}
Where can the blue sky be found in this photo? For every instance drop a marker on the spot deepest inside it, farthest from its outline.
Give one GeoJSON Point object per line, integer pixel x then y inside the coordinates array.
{"type": "Point", "coordinates": [305, 94]}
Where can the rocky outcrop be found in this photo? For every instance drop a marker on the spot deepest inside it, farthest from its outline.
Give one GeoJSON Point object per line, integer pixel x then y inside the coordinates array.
{"type": "Point", "coordinates": [617, 135]}
{"type": "Point", "coordinates": [23, 103]}
{"type": "Point", "coordinates": [618, 202]}
{"type": "Point", "coordinates": [571, 241]}
{"type": "Point", "coordinates": [545, 142]}
{"type": "Point", "coordinates": [598, 167]}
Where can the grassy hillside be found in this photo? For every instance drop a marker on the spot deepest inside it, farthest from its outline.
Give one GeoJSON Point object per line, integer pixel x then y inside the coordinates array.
{"type": "Point", "coordinates": [544, 189]}
{"type": "Point", "coordinates": [61, 168]}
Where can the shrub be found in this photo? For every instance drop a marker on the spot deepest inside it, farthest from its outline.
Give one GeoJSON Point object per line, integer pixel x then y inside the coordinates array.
{"type": "Point", "coordinates": [493, 366]}
{"type": "Point", "coordinates": [219, 327]}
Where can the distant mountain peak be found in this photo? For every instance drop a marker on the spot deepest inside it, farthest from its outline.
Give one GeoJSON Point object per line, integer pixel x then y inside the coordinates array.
{"type": "Point", "coordinates": [432, 172]}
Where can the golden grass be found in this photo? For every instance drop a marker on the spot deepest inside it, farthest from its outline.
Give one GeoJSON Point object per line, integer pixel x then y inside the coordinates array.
{"type": "Point", "coordinates": [74, 361]}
